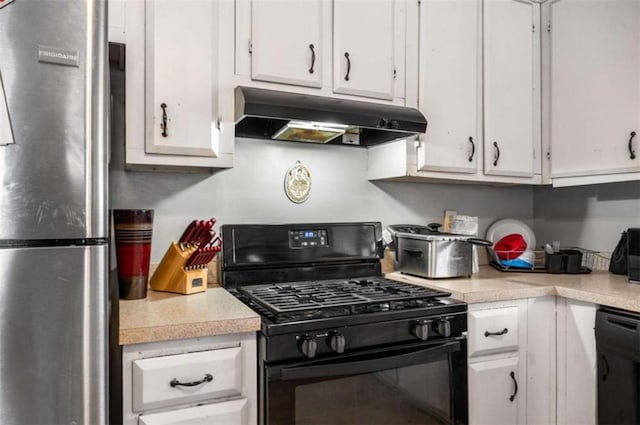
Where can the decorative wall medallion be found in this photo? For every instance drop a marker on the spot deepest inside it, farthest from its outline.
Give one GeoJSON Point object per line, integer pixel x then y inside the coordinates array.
{"type": "Point", "coordinates": [297, 183]}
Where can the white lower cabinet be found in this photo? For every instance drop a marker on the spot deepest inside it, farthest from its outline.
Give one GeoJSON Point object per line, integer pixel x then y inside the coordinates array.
{"type": "Point", "coordinates": [229, 412]}
{"type": "Point", "coordinates": [577, 380]}
{"type": "Point", "coordinates": [512, 380]}
{"type": "Point", "coordinates": [193, 381]}
{"type": "Point", "coordinates": [495, 392]}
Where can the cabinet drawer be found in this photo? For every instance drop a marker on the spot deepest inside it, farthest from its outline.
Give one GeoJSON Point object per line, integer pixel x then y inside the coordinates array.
{"type": "Point", "coordinates": [493, 331]}
{"type": "Point", "coordinates": [228, 413]}
{"type": "Point", "coordinates": [157, 381]}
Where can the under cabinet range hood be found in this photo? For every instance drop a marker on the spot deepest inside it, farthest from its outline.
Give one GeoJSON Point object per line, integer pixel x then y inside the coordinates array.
{"type": "Point", "coordinates": [277, 115]}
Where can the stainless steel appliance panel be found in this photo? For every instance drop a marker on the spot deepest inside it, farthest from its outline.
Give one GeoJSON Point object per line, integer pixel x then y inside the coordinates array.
{"type": "Point", "coordinates": [53, 66]}
{"type": "Point", "coordinates": [53, 335]}
{"type": "Point", "coordinates": [434, 258]}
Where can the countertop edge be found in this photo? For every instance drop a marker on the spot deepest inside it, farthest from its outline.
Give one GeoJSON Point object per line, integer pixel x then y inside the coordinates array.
{"type": "Point", "coordinates": [477, 297]}
{"type": "Point", "coordinates": [509, 294]}
{"type": "Point", "coordinates": [607, 291]}
{"type": "Point", "coordinates": [141, 335]}
{"type": "Point", "coordinates": [598, 298]}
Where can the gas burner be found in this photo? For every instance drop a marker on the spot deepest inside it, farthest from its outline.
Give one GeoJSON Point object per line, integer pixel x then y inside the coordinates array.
{"type": "Point", "coordinates": [296, 301]}
{"type": "Point", "coordinates": [363, 282]}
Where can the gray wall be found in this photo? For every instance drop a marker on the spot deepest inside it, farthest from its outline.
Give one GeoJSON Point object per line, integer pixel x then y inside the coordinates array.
{"type": "Point", "coordinates": [253, 191]}
{"type": "Point", "coordinates": [587, 216]}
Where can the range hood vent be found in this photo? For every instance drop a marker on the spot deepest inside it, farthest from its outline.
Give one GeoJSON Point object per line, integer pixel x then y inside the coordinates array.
{"type": "Point", "coordinates": [270, 114]}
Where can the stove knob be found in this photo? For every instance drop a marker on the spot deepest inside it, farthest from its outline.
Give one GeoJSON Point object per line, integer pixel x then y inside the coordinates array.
{"type": "Point", "coordinates": [420, 329]}
{"type": "Point", "coordinates": [337, 342]}
{"type": "Point", "coordinates": [307, 345]}
{"type": "Point", "coordinates": [443, 327]}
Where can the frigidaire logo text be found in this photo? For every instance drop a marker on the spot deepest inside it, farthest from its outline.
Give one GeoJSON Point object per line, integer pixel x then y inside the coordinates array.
{"type": "Point", "coordinates": [3, 3]}
{"type": "Point", "coordinates": [59, 55]}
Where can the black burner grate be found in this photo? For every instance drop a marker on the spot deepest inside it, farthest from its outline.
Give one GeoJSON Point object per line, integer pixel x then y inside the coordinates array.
{"type": "Point", "coordinates": [300, 300]}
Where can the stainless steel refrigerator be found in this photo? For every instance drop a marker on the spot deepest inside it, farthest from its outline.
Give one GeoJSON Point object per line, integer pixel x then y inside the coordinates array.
{"type": "Point", "coordinates": [53, 212]}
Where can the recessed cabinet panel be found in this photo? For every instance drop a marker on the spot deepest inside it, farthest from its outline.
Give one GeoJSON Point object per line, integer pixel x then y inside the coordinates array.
{"type": "Point", "coordinates": [495, 392]}
{"type": "Point", "coordinates": [186, 378]}
{"type": "Point", "coordinates": [594, 50]}
{"type": "Point", "coordinates": [363, 38]}
{"type": "Point", "coordinates": [286, 41]}
{"type": "Point", "coordinates": [511, 86]}
{"type": "Point", "coordinates": [450, 85]}
{"type": "Point", "coordinates": [228, 413]}
{"type": "Point", "coordinates": [181, 75]}
{"type": "Point", "coordinates": [493, 331]}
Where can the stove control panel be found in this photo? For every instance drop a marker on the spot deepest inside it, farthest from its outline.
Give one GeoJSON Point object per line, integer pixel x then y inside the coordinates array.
{"type": "Point", "coordinates": [309, 238]}
{"type": "Point", "coordinates": [351, 337]}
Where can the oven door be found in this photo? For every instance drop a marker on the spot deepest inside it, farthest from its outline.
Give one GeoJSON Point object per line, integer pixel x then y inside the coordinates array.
{"type": "Point", "coordinates": [424, 383]}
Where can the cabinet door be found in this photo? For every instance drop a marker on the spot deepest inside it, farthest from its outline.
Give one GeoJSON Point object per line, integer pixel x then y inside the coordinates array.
{"type": "Point", "coordinates": [450, 85]}
{"type": "Point", "coordinates": [285, 41]}
{"type": "Point", "coordinates": [363, 36]}
{"type": "Point", "coordinates": [595, 86]}
{"type": "Point", "coordinates": [6, 136]}
{"type": "Point", "coordinates": [577, 381]}
{"type": "Point", "coordinates": [181, 75]}
{"type": "Point", "coordinates": [228, 413]}
{"type": "Point", "coordinates": [495, 392]}
{"type": "Point", "coordinates": [511, 87]}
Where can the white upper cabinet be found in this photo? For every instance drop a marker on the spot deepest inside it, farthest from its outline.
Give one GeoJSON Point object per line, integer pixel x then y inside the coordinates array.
{"type": "Point", "coordinates": [339, 48]}
{"type": "Point", "coordinates": [479, 88]}
{"type": "Point", "coordinates": [181, 79]}
{"type": "Point", "coordinates": [450, 88]}
{"type": "Point", "coordinates": [286, 41]}
{"type": "Point", "coordinates": [363, 48]}
{"type": "Point", "coordinates": [593, 51]}
{"type": "Point", "coordinates": [511, 87]}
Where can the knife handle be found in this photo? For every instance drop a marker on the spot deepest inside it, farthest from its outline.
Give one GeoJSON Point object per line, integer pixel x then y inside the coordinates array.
{"type": "Point", "coordinates": [186, 232]}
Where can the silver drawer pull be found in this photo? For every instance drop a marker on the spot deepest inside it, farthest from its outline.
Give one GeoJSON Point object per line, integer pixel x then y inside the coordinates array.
{"type": "Point", "coordinates": [207, 378]}
{"type": "Point", "coordinates": [502, 332]}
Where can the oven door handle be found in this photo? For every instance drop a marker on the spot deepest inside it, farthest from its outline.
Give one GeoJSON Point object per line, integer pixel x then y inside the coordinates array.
{"type": "Point", "coordinates": [355, 367]}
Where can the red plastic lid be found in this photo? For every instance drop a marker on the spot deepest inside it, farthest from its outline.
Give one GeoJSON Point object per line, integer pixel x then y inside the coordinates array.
{"type": "Point", "coordinates": [510, 246]}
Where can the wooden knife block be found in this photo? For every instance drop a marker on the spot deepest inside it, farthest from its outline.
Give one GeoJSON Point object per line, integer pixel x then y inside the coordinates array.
{"type": "Point", "coordinates": [170, 276]}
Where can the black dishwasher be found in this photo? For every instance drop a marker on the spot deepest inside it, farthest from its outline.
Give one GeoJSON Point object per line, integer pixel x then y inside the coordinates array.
{"type": "Point", "coordinates": [618, 346]}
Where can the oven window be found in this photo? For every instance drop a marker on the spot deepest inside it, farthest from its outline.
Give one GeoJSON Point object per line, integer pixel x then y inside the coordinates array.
{"type": "Point", "coordinates": [415, 394]}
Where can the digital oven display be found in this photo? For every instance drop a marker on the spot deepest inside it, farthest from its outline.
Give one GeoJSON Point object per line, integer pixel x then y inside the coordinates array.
{"type": "Point", "coordinates": [308, 238]}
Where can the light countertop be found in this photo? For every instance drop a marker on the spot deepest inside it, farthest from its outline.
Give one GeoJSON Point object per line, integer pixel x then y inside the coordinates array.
{"type": "Point", "coordinates": [599, 287]}
{"type": "Point", "coordinates": [165, 316]}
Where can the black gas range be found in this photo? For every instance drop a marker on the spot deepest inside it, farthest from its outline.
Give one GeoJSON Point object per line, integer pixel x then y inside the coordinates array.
{"type": "Point", "coordinates": [330, 321]}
